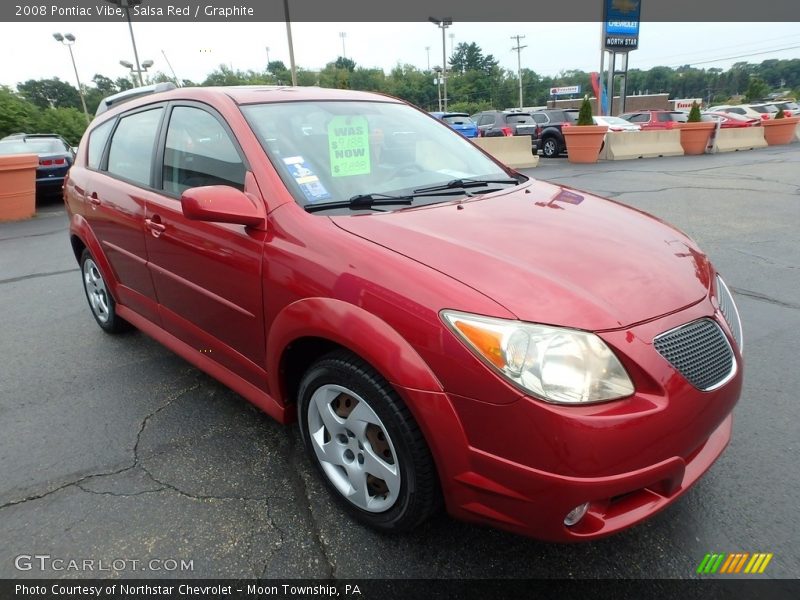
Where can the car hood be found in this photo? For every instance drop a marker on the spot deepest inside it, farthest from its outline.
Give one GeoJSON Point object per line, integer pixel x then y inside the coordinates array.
{"type": "Point", "coordinates": [550, 254]}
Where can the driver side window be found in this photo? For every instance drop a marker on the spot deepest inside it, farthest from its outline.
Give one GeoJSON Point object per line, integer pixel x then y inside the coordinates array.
{"type": "Point", "coordinates": [199, 152]}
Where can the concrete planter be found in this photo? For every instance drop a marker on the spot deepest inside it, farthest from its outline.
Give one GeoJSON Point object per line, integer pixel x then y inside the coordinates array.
{"type": "Point", "coordinates": [695, 136]}
{"type": "Point", "coordinates": [780, 131]}
{"type": "Point", "coordinates": [18, 186]}
{"type": "Point", "coordinates": [584, 142]}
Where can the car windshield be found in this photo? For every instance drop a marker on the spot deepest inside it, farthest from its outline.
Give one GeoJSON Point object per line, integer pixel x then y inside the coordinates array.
{"type": "Point", "coordinates": [333, 151]}
{"type": "Point", "coordinates": [32, 146]}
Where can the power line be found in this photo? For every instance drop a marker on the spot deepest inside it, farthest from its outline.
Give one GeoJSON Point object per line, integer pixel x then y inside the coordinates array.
{"type": "Point", "coordinates": [738, 46]}
{"type": "Point", "coordinates": [703, 62]}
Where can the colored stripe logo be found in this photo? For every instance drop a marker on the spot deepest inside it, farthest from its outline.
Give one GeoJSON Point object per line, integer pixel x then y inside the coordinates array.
{"type": "Point", "coordinates": [736, 562]}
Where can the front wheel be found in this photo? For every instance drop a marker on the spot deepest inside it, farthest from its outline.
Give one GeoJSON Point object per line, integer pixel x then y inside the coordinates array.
{"type": "Point", "coordinates": [550, 147]}
{"type": "Point", "coordinates": [365, 443]}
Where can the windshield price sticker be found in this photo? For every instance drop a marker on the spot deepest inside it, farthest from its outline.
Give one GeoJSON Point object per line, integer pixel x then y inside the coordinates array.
{"type": "Point", "coordinates": [348, 146]}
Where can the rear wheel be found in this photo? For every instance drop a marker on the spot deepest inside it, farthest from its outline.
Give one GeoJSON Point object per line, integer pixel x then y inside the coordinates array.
{"type": "Point", "coordinates": [104, 309]}
{"type": "Point", "coordinates": [550, 147]}
{"type": "Point", "coordinates": [365, 443]}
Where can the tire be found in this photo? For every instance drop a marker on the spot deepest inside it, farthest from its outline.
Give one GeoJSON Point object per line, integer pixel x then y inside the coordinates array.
{"type": "Point", "coordinates": [366, 445]}
{"type": "Point", "coordinates": [101, 303]}
{"type": "Point", "coordinates": [550, 147]}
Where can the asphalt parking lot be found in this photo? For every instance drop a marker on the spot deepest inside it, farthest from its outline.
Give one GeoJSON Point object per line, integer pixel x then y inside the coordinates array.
{"type": "Point", "coordinates": [114, 448]}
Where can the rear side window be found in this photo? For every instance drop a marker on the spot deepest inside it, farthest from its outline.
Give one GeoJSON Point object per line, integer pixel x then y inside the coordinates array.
{"type": "Point", "coordinates": [640, 118]}
{"type": "Point", "coordinates": [131, 152]}
{"type": "Point", "coordinates": [97, 143]}
{"type": "Point", "coordinates": [570, 117]}
{"type": "Point", "coordinates": [199, 152]}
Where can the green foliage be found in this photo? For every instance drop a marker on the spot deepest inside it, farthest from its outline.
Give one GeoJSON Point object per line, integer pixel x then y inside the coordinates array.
{"type": "Point", "coordinates": [585, 114]}
{"type": "Point", "coordinates": [69, 123]}
{"type": "Point", "coordinates": [780, 114]}
{"type": "Point", "coordinates": [17, 115]}
{"type": "Point", "coordinates": [694, 113]}
{"type": "Point", "coordinates": [756, 90]}
{"type": "Point", "coordinates": [46, 93]}
{"type": "Point", "coordinates": [469, 107]}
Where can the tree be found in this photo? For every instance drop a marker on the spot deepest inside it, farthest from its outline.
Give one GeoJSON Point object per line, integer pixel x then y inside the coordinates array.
{"type": "Point", "coordinates": [17, 115]}
{"type": "Point", "coordinates": [46, 93]}
{"type": "Point", "coordinates": [345, 63]}
{"type": "Point", "coordinates": [756, 90]}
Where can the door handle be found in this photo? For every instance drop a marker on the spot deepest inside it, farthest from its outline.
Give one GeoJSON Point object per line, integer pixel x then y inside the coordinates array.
{"type": "Point", "coordinates": [94, 200]}
{"type": "Point", "coordinates": [155, 225]}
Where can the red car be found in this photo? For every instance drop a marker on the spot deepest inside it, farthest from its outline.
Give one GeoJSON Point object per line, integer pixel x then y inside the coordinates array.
{"type": "Point", "coordinates": [441, 327]}
{"type": "Point", "coordinates": [656, 119]}
{"type": "Point", "coordinates": [729, 120]}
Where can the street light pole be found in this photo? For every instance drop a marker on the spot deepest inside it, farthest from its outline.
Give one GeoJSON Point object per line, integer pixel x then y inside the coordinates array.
{"type": "Point", "coordinates": [69, 39]}
{"type": "Point", "coordinates": [343, 34]}
{"type": "Point", "coordinates": [126, 4]}
{"type": "Point", "coordinates": [443, 24]}
{"type": "Point", "coordinates": [428, 52]}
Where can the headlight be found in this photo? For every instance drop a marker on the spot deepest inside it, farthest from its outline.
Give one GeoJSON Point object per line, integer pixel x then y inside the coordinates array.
{"type": "Point", "coordinates": [559, 365]}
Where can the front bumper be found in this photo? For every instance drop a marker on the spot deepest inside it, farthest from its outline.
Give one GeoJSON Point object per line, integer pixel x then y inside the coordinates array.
{"type": "Point", "coordinates": [524, 465]}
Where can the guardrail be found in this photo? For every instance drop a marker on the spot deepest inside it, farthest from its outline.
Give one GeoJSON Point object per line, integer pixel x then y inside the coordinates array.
{"type": "Point", "coordinates": [513, 151]}
{"type": "Point", "coordinates": [625, 145]}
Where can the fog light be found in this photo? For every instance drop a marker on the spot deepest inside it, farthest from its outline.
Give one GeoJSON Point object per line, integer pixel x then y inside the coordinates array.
{"type": "Point", "coordinates": [576, 514]}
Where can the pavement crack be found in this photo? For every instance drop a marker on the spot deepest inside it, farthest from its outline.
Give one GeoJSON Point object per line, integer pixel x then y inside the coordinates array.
{"type": "Point", "coordinates": [36, 276]}
{"type": "Point", "coordinates": [81, 480]}
{"type": "Point", "coordinates": [32, 235]}
{"type": "Point", "coordinates": [765, 298]}
{"type": "Point", "coordinates": [303, 492]}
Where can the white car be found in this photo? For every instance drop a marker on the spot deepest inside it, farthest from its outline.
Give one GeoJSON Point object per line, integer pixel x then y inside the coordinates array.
{"type": "Point", "coordinates": [754, 111]}
{"type": "Point", "coordinates": [616, 124]}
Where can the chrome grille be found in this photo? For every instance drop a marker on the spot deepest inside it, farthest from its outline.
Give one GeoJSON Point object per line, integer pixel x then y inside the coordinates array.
{"type": "Point", "coordinates": [728, 309]}
{"type": "Point", "coordinates": [700, 352]}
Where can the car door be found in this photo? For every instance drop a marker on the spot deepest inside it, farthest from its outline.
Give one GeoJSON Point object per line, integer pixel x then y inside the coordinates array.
{"type": "Point", "coordinates": [207, 275]}
{"type": "Point", "coordinates": [115, 189]}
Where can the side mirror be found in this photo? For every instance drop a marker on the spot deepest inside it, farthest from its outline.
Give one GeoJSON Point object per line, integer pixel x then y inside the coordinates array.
{"type": "Point", "coordinates": [221, 204]}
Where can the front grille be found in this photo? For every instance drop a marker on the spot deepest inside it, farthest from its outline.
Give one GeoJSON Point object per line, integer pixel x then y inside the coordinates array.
{"type": "Point", "coordinates": [699, 351]}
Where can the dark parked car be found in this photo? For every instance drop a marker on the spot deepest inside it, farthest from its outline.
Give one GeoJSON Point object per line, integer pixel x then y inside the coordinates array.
{"type": "Point", "coordinates": [461, 122]}
{"type": "Point", "coordinates": [656, 119]}
{"type": "Point", "coordinates": [549, 124]}
{"type": "Point", "coordinates": [55, 157]}
{"type": "Point", "coordinates": [438, 332]}
{"type": "Point", "coordinates": [495, 123]}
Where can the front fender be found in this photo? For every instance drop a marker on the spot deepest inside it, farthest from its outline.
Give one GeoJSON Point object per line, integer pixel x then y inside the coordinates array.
{"type": "Point", "coordinates": [352, 327]}
{"type": "Point", "coordinates": [79, 227]}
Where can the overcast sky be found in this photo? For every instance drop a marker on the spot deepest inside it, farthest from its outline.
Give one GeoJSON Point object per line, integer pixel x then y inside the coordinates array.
{"type": "Point", "coordinates": [29, 51]}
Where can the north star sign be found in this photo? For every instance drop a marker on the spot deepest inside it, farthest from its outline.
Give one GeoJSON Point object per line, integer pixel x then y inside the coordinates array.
{"type": "Point", "coordinates": [621, 24]}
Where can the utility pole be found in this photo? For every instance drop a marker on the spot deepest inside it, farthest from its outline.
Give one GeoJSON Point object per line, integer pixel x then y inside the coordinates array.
{"type": "Point", "coordinates": [289, 39]}
{"type": "Point", "coordinates": [428, 52]}
{"type": "Point", "coordinates": [443, 24]}
{"type": "Point", "coordinates": [343, 34]}
{"type": "Point", "coordinates": [519, 48]}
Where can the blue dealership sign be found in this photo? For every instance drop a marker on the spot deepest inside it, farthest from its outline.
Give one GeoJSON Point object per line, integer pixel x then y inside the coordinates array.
{"type": "Point", "coordinates": [621, 24]}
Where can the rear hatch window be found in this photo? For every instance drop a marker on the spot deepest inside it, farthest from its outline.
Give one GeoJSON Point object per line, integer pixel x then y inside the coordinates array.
{"type": "Point", "coordinates": [457, 120]}
{"type": "Point", "coordinates": [520, 119]}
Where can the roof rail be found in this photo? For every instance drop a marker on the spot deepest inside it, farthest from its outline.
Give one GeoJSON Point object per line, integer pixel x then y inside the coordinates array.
{"type": "Point", "coordinates": [110, 101]}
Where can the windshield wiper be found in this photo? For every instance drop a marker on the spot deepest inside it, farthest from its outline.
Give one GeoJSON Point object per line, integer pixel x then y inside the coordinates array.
{"type": "Point", "coordinates": [464, 183]}
{"type": "Point", "coordinates": [368, 201]}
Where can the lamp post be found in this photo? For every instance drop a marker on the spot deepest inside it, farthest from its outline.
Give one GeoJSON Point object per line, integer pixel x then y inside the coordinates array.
{"type": "Point", "coordinates": [143, 69]}
{"type": "Point", "coordinates": [343, 34]}
{"type": "Point", "coordinates": [126, 4]}
{"type": "Point", "coordinates": [428, 52]}
{"type": "Point", "coordinates": [438, 71]}
{"type": "Point", "coordinates": [443, 24]}
{"type": "Point", "coordinates": [289, 40]}
{"type": "Point", "coordinates": [68, 39]}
